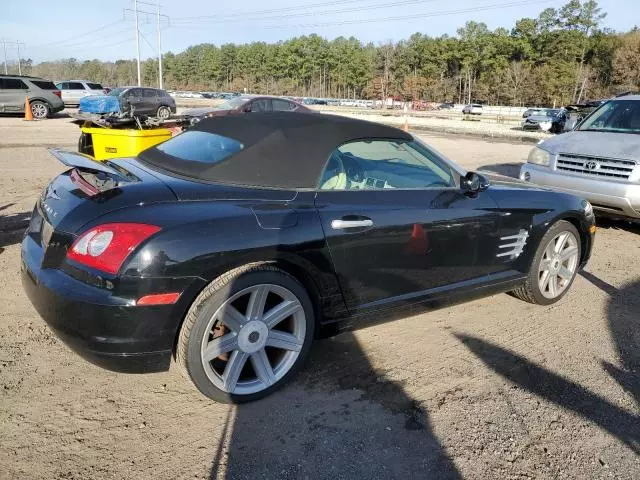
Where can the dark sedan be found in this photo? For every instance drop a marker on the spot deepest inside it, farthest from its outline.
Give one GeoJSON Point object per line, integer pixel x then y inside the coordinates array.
{"type": "Point", "coordinates": [548, 120]}
{"type": "Point", "coordinates": [247, 104]}
{"type": "Point", "coordinates": [134, 101]}
{"type": "Point", "coordinates": [233, 245]}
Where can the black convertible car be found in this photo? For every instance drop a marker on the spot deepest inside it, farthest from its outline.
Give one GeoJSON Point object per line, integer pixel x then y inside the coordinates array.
{"type": "Point", "coordinates": [231, 246]}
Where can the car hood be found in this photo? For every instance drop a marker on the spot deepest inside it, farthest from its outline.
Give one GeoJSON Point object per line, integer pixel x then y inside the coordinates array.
{"type": "Point", "coordinates": [503, 182]}
{"type": "Point", "coordinates": [595, 144]}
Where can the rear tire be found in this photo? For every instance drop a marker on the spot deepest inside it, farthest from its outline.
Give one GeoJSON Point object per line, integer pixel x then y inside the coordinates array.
{"type": "Point", "coordinates": [246, 334]}
{"type": "Point", "coordinates": [554, 265]}
{"type": "Point", "coordinates": [39, 109]}
{"type": "Point", "coordinates": [163, 112]}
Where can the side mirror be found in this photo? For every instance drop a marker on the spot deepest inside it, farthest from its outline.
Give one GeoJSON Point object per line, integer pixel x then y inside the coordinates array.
{"type": "Point", "coordinates": [247, 109]}
{"type": "Point", "coordinates": [473, 182]}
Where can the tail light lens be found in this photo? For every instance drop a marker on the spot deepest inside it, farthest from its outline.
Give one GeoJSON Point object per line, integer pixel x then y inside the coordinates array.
{"type": "Point", "coordinates": [107, 246]}
{"type": "Point", "coordinates": [57, 93]}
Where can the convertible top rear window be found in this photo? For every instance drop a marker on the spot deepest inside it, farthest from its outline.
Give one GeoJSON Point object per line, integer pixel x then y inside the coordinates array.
{"type": "Point", "coordinates": [202, 147]}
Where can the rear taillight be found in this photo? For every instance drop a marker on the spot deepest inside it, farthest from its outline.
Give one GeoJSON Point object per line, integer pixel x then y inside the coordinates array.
{"type": "Point", "coordinates": [57, 93]}
{"type": "Point", "coordinates": [107, 246]}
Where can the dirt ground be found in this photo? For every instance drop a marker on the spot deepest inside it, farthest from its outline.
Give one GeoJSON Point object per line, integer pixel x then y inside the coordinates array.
{"type": "Point", "coordinates": [493, 389]}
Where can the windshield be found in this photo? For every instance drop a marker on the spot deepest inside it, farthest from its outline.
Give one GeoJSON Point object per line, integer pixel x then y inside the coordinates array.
{"type": "Point", "coordinates": [232, 103]}
{"type": "Point", "coordinates": [116, 92]}
{"type": "Point", "coordinates": [621, 116]}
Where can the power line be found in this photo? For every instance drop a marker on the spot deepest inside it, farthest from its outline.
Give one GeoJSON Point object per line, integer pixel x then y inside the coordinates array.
{"type": "Point", "coordinates": [271, 10]}
{"type": "Point", "coordinates": [412, 16]}
{"type": "Point", "coordinates": [88, 42]}
{"type": "Point", "coordinates": [307, 14]}
{"type": "Point", "coordinates": [81, 34]}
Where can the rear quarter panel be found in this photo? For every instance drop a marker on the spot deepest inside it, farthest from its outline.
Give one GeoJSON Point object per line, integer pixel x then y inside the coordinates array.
{"type": "Point", "coordinates": [204, 239]}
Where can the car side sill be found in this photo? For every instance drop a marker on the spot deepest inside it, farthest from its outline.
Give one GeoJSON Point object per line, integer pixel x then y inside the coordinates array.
{"type": "Point", "coordinates": [411, 304]}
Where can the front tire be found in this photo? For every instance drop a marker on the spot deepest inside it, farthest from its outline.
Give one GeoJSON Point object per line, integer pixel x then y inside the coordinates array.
{"type": "Point", "coordinates": [246, 334]}
{"type": "Point", "coordinates": [554, 265]}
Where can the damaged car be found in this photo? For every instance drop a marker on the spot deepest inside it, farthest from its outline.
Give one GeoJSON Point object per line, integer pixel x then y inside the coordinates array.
{"type": "Point", "coordinates": [551, 120]}
{"type": "Point", "coordinates": [130, 101]}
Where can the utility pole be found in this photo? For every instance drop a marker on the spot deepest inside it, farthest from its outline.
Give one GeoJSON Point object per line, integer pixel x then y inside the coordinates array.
{"type": "Point", "coordinates": [19, 61]}
{"type": "Point", "coordinates": [158, 22]}
{"type": "Point", "coordinates": [159, 47]}
{"type": "Point", "coordinates": [135, 10]}
{"type": "Point", "coordinates": [4, 45]}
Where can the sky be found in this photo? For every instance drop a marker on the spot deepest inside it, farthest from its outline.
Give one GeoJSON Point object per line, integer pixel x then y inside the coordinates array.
{"type": "Point", "coordinates": [106, 30]}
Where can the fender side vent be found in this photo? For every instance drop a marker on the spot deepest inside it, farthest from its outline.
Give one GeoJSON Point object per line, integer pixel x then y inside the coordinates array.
{"type": "Point", "coordinates": [512, 245]}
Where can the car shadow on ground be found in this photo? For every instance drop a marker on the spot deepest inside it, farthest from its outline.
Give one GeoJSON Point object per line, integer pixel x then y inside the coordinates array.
{"type": "Point", "coordinates": [12, 226]}
{"type": "Point", "coordinates": [631, 226]}
{"type": "Point", "coordinates": [624, 326]}
{"type": "Point", "coordinates": [507, 169]}
{"type": "Point", "coordinates": [341, 418]}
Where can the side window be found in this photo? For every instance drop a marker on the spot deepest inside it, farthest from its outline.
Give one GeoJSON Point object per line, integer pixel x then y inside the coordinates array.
{"type": "Point", "coordinates": [75, 86]}
{"type": "Point", "coordinates": [282, 105]}
{"type": "Point", "coordinates": [263, 105]}
{"type": "Point", "coordinates": [385, 164]}
{"type": "Point", "coordinates": [149, 94]}
{"type": "Point", "coordinates": [63, 86]}
{"type": "Point", "coordinates": [134, 94]}
{"type": "Point", "coordinates": [13, 84]}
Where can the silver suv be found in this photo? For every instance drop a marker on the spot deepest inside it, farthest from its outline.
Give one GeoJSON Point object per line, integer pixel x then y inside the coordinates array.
{"type": "Point", "coordinates": [74, 90]}
{"type": "Point", "coordinates": [43, 95]}
{"type": "Point", "coordinates": [599, 160]}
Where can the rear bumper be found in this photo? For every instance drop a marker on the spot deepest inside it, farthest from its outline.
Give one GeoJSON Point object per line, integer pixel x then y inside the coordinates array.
{"type": "Point", "coordinates": [106, 330]}
{"type": "Point", "coordinates": [608, 196]}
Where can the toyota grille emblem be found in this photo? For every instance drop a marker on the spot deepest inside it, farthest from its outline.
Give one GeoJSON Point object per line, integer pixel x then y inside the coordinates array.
{"type": "Point", "coordinates": [591, 165]}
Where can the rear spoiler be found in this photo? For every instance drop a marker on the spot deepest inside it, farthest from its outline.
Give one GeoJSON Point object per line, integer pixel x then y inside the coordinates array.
{"type": "Point", "coordinates": [82, 162]}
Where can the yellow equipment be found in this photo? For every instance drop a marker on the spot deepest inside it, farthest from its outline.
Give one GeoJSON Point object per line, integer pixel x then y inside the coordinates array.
{"type": "Point", "coordinates": [106, 143]}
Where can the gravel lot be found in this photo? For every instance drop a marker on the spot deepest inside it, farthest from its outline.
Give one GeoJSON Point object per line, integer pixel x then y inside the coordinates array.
{"type": "Point", "coordinates": [496, 388]}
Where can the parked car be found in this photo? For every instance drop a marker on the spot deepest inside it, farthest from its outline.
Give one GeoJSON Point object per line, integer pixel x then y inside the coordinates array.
{"type": "Point", "coordinates": [74, 90]}
{"type": "Point", "coordinates": [549, 120]}
{"type": "Point", "coordinates": [599, 160]}
{"type": "Point", "coordinates": [472, 109]}
{"type": "Point", "coordinates": [247, 104]}
{"type": "Point", "coordinates": [446, 106]}
{"type": "Point", "coordinates": [233, 245]}
{"type": "Point", "coordinates": [132, 101]}
{"type": "Point", "coordinates": [44, 97]}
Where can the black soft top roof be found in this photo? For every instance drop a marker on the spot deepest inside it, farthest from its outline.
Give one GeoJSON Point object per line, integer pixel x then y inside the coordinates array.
{"type": "Point", "coordinates": [281, 149]}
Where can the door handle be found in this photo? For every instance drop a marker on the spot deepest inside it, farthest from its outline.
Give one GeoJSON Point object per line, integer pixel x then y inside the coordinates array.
{"type": "Point", "coordinates": [340, 224]}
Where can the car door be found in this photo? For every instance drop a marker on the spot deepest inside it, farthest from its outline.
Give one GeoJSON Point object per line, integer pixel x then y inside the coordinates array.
{"type": "Point", "coordinates": [13, 93]}
{"type": "Point", "coordinates": [64, 92]}
{"type": "Point", "coordinates": [76, 92]}
{"type": "Point", "coordinates": [399, 227]}
{"type": "Point", "coordinates": [150, 101]}
{"type": "Point", "coordinates": [135, 99]}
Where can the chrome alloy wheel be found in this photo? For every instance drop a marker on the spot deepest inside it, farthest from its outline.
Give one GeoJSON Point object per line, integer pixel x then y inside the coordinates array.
{"type": "Point", "coordinates": [253, 339]}
{"type": "Point", "coordinates": [39, 110]}
{"type": "Point", "coordinates": [558, 264]}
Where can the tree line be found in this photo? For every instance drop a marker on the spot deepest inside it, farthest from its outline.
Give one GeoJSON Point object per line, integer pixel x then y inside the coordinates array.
{"type": "Point", "coordinates": [561, 57]}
